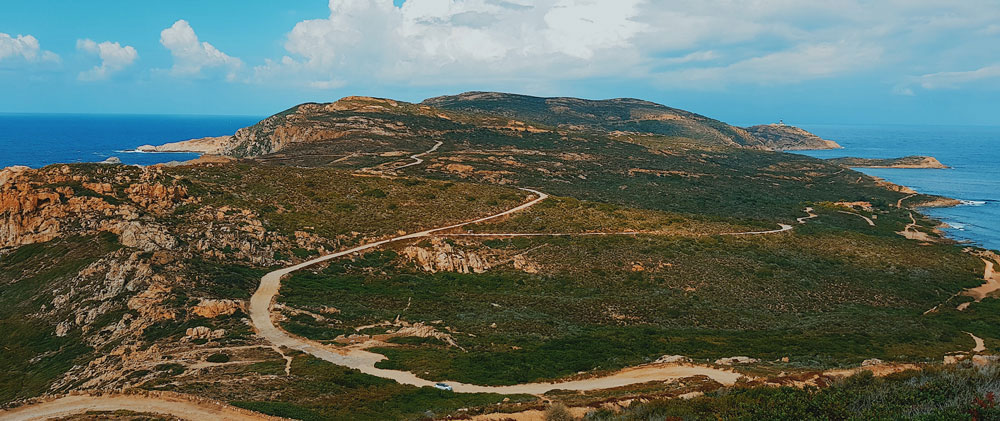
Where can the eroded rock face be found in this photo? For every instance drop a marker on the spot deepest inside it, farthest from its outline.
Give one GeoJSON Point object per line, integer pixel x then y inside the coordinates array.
{"type": "Point", "coordinates": [41, 205]}
{"type": "Point", "coordinates": [209, 308]}
{"type": "Point", "coordinates": [442, 257]}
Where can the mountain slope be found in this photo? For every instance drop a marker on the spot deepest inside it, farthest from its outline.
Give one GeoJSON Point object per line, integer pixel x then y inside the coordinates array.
{"type": "Point", "coordinates": [620, 114]}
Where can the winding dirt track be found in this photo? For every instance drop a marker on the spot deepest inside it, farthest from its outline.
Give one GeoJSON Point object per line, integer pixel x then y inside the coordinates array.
{"type": "Point", "coordinates": [417, 157]}
{"type": "Point", "coordinates": [364, 361]}
{"type": "Point", "coordinates": [991, 285]}
{"type": "Point", "coordinates": [867, 219]}
{"type": "Point", "coordinates": [181, 408]}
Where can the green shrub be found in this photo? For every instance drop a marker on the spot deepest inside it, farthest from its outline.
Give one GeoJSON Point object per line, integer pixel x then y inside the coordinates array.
{"type": "Point", "coordinates": [218, 358]}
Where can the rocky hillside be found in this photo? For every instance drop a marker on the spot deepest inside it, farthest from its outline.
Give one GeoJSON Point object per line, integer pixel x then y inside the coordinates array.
{"type": "Point", "coordinates": [789, 138]}
{"type": "Point", "coordinates": [904, 162]}
{"type": "Point", "coordinates": [612, 115]}
{"type": "Point", "coordinates": [363, 125]}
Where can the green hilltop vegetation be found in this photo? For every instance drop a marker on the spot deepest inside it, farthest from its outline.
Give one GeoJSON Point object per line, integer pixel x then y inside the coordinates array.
{"type": "Point", "coordinates": [670, 186]}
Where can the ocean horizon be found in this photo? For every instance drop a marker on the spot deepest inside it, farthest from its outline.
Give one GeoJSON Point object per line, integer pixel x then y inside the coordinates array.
{"type": "Point", "coordinates": [37, 140]}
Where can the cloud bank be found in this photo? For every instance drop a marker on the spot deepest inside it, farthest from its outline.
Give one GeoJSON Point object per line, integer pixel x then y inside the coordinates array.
{"type": "Point", "coordinates": [691, 44]}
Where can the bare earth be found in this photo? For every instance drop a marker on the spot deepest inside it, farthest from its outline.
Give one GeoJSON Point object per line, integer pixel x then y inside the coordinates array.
{"type": "Point", "coordinates": [181, 408]}
{"type": "Point", "coordinates": [991, 285]}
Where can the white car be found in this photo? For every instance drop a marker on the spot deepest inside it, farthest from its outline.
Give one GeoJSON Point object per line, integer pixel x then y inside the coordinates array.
{"type": "Point", "coordinates": [442, 386]}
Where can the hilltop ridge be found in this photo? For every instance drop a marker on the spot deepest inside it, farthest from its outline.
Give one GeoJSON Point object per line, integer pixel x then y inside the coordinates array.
{"type": "Point", "coordinates": [382, 124]}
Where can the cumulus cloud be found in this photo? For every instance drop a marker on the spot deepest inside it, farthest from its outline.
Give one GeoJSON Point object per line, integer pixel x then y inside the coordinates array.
{"type": "Point", "coordinates": [114, 58]}
{"type": "Point", "coordinates": [191, 56]}
{"type": "Point", "coordinates": [25, 48]}
{"type": "Point", "coordinates": [464, 39]}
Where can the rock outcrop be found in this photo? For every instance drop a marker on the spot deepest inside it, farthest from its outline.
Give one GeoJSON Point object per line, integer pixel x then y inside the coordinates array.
{"type": "Point", "coordinates": [40, 205]}
{"type": "Point", "coordinates": [442, 257]}
{"type": "Point", "coordinates": [205, 145]}
{"type": "Point", "coordinates": [783, 137]}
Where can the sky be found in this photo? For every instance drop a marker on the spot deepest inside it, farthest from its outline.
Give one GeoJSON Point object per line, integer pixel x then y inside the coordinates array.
{"type": "Point", "coordinates": [741, 61]}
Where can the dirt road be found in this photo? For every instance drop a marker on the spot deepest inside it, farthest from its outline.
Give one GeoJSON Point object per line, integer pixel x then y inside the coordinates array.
{"type": "Point", "coordinates": [867, 219]}
{"type": "Point", "coordinates": [178, 407]}
{"type": "Point", "coordinates": [417, 157]}
{"type": "Point", "coordinates": [991, 285]}
{"type": "Point", "coordinates": [260, 315]}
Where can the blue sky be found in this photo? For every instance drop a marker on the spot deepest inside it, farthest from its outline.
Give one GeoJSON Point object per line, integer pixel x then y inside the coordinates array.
{"type": "Point", "coordinates": [805, 61]}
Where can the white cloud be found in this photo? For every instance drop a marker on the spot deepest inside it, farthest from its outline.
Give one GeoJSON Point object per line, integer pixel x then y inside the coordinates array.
{"type": "Point", "coordinates": [805, 62]}
{"type": "Point", "coordinates": [955, 80]}
{"type": "Point", "coordinates": [521, 42]}
{"type": "Point", "coordinates": [191, 56]}
{"type": "Point", "coordinates": [114, 58]}
{"type": "Point", "coordinates": [463, 39]}
{"type": "Point", "coordinates": [24, 48]}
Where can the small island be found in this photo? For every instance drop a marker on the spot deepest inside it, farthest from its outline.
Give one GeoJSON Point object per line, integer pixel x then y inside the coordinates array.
{"type": "Point", "coordinates": [916, 161]}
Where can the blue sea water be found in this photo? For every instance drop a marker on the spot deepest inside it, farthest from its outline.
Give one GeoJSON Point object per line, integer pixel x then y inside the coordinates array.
{"type": "Point", "coordinates": [973, 153]}
{"type": "Point", "coordinates": [37, 140]}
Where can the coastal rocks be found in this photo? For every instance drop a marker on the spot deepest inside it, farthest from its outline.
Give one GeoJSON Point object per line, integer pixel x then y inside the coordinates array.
{"type": "Point", "coordinates": [10, 173]}
{"type": "Point", "coordinates": [205, 145]}
{"type": "Point", "coordinates": [210, 309]}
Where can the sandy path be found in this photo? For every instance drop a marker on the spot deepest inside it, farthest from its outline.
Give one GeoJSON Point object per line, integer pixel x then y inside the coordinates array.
{"type": "Point", "coordinates": [867, 219]}
{"type": "Point", "coordinates": [784, 227]}
{"type": "Point", "coordinates": [980, 344]}
{"type": "Point", "coordinates": [899, 203]}
{"type": "Point", "coordinates": [991, 285]}
{"type": "Point", "coordinates": [181, 408]}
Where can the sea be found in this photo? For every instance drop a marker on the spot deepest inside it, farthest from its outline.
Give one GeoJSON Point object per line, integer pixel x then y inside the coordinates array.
{"type": "Point", "coordinates": [973, 153]}
{"type": "Point", "coordinates": [37, 140]}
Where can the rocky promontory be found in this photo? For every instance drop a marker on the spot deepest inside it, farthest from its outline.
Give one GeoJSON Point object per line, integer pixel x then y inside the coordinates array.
{"type": "Point", "coordinates": [783, 137]}
{"type": "Point", "coordinates": [205, 145]}
{"type": "Point", "coordinates": [915, 161]}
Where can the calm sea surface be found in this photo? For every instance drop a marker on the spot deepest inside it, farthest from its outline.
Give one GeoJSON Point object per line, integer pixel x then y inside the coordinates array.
{"type": "Point", "coordinates": [973, 153]}
{"type": "Point", "coordinates": [37, 140]}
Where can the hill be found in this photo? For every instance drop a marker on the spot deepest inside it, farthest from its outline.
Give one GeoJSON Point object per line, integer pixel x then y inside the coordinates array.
{"type": "Point", "coordinates": [335, 127]}
{"type": "Point", "coordinates": [493, 242]}
{"type": "Point", "coordinates": [788, 138]}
